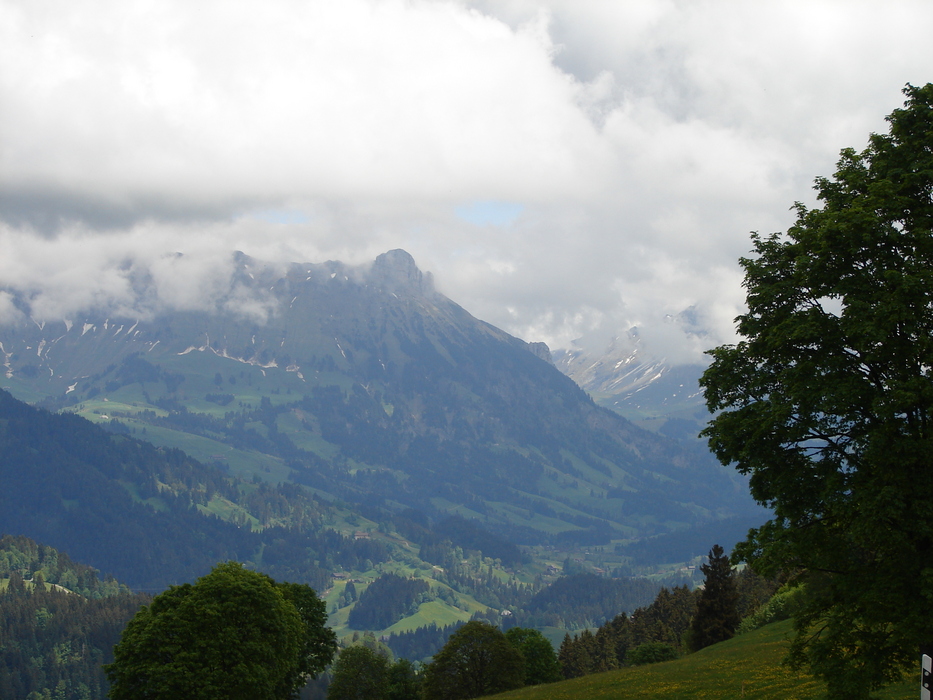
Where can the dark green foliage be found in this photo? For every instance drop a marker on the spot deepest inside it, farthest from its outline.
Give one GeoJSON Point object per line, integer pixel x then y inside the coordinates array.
{"type": "Point", "coordinates": [576, 655]}
{"type": "Point", "coordinates": [26, 557]}
{"type": "Point", "coordinates": [540, 660]}
{"type": "Point", "coordinates": [782, 605]}
{"type": "Point", "coordinates": [477, 660]}
{"type": "Point", "coordinates": [717, 615]}
{"type": "Point", "coordinates": [234, 634]}
{"type": "Point", "coordinates": [666, 619]}
{"type": "Point", "coordinates": [754, 591]}
{"type": "Point", "coordinates": [827, 403]}
{"type": "Point", "coordinates": [588, 653]}
{"type": "Point", "coordinates": [386, 601]}
{"type": "Point", "coordinates": [220, 399]}
{"type": "Point", "coordinates": [652, 653]}
{"type": "Point", "coordinates": [456, 531]}
{"type": "Point", "coordinates": [404, 681]}
{"type": "Point", "coordinates": [467, 535]}
{"type": "Point", "coordinates": [363, 672]}
{"type": "Point", "coordinates": [422, 643]}
{"type": "Point", "coordinates": [359, 673]}
{"type": "Point", "coordinates": [684, 545]}
{"type": "Point", "coordinates": [318, 642]}
{"type": "Point", "coordinates": [586, 600]}
{"type": "Point", "coordinates": [665, 622]}
{"type": "Point", "coordinates": [65, 481]}
{"type": "Point", "coordinates": [52, 640]}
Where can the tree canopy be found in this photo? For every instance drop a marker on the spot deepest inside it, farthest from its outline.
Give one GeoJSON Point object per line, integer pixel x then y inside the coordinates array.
{"type": "Point", "coordinates": [235, 633]}
{"type": "Point", "coordinates": [477, 660]}
{"type": "Point", "coordinates": [541, 664]}
{"type": "Point", "coordinates": [826, 402]}
{"type": "Point", "coordinates": [359, 673]}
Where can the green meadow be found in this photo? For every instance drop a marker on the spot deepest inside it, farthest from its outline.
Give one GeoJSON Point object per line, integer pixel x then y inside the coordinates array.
{"type": "Point", "coordinates": [747, 667]}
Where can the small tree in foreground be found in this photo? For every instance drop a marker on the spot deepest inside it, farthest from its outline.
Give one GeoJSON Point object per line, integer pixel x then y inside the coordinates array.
{"type": "Point", "coordinates": [541, 664]}
{"type": "Point", "coordinates": [477, 660]}
{"type": "Point", "coordinates": [234, 634]}
{"type": "Point", "coordinates": [359, 673]}
{"type": "Point", "coordinates": [717, 615]}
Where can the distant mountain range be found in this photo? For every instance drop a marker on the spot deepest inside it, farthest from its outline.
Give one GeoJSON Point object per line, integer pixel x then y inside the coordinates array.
{"type": "Point", "coordinates": [369, 387]}
{"type": "Point", "coordinates": [644, 387]}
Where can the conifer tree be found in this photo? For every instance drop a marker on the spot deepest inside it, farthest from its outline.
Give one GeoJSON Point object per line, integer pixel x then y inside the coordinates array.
{"type": "Point", "coordinates": [717, 607]}
{"type": "Point", "coordinates": [574, 656]}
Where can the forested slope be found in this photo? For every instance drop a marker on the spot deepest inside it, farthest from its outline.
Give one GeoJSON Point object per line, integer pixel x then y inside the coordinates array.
{"type": "Point", "coordinates": [144, 513]}
{"type": "Point", "coordinates": [58, 623]}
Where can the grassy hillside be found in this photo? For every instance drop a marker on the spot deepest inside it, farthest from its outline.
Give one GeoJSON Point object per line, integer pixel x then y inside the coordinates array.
{"type": "Point", "coordinates": [746, 667]}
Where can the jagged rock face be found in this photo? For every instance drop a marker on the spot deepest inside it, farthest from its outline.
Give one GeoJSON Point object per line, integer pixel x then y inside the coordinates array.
{"type": "Point", "coordinates": [269, 316]}
{"type": "Point", "coordinates": [542, 351]}
{"type": "Point", "coordinates": [639, 386]}
{"type": "Point", "coordinates": [396, 272]}
{"type": "Point", "coordinates": [369, 385]}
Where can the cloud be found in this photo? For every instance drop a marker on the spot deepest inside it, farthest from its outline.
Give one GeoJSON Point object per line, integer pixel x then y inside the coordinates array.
{"type": "Point", "coordinates": [162, 108]}
{"type": "Point", "coordinates": [565, 168]}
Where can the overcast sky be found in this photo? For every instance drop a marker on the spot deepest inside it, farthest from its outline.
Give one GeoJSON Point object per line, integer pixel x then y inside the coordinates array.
{"type": "Point", "coordinates": [566, 168]}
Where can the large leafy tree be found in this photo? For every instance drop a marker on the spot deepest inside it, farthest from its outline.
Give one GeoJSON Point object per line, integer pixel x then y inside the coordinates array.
{"type": "Point", "coordinates": [234, 633]}
{"type": "Point", "coordinates": [827, 404]}
{"type": "Point", "coordinates": [477, 660]}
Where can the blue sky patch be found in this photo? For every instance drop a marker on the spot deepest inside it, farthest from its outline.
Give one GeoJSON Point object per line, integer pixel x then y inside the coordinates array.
{"type": "Point", "coordinates": [281, 216]}
{"type": "Point", "coordinates": [489, 213]}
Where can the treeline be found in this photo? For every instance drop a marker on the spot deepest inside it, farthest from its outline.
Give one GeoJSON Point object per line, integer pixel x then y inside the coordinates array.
{"type": "Point", "coordinates": [422, 643]}
{"type": "Point", "coordinates": [664, 622]}
{"type": "Point", "coordinates": [670, 625]}
{"type": "Point", "coordinates": [30, 560]}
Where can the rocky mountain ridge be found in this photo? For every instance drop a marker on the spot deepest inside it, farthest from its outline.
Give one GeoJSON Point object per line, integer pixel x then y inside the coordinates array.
{"type": "Point", "coordinates": [644, 387]}
{"type": "Point", "coordinates": [366, 384]}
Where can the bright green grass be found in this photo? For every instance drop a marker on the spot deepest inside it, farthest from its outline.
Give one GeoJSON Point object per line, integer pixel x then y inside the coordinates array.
{"type": "Point", "coordinates": [442, 504]}
{"type": "Point", "coordinates": [153, 502]}
{"type": "Point", "coordinates": [519, 515]}
{"type": "Point", "coordinates": [436, 611]}
{"type": "Point", "coordinates": [242, 463]}
{"type": "Point", "coordinates": [290, 424]}
{"type": "Point", "coordinates": [28, 390]}
{"type": "Point", "coordinates": [226, 510]}
{"type": "Point", "coordinates": [748, 666]}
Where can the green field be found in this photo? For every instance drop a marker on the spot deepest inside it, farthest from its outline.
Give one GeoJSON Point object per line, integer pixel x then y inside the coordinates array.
{"type": "Point", "coordinates": [748, 666]}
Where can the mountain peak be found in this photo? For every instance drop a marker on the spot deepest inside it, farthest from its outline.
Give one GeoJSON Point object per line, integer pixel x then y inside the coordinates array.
{"type": "Point", "coordinates": [396, 271]}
